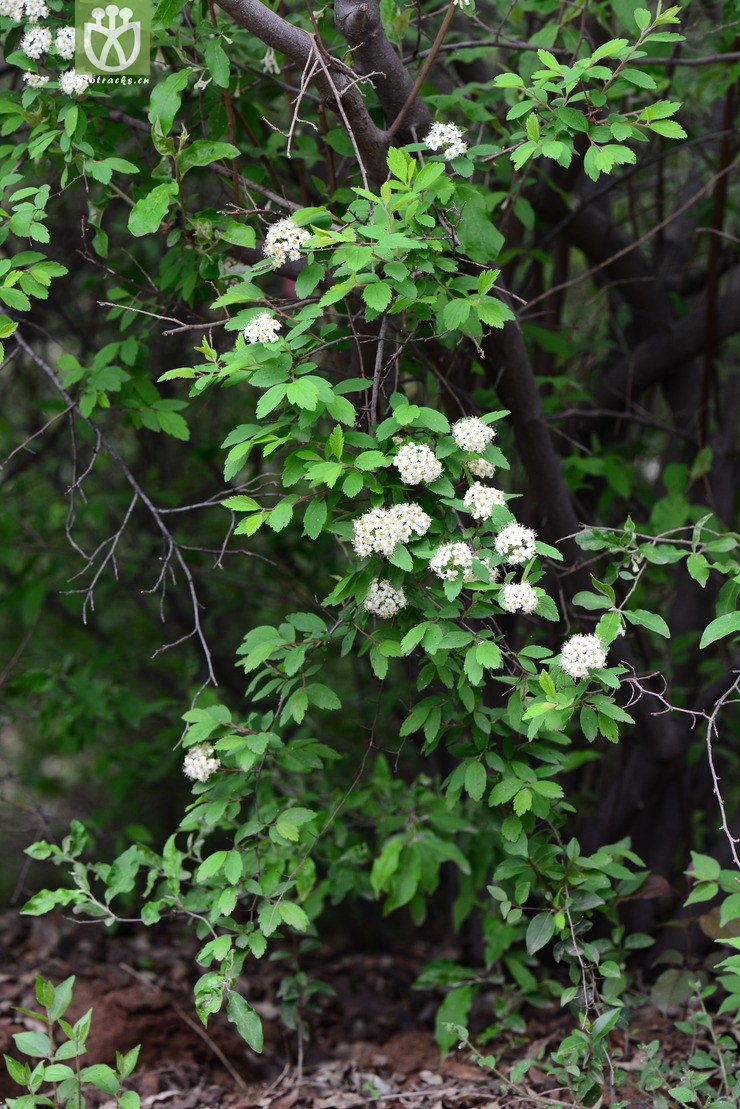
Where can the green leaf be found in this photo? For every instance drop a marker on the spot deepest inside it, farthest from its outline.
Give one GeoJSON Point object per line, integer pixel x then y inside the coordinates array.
{"type": "Point", "coordinates": [165, 98]}
{"type": "Point", "coordinates": [308, 279]}
{"type": "Point", "coordinates": [523, 802]}
{"type": "Point", "coordinates": [386, 864]}
{"type": "Point", "coordinates": [508, 81]}
{"type": "Point", "coordinates": [62, 998]}
{"type": "Point", "coordinates": [294, 916]}
{"type": "Point", "coordinates": [533, 127]}
{"type": "Point", "coordinates": [637, 77]}
{"type": "Point", "coordinates": [540, 931]}
{"type": "Point", "coordinates": [492, 312]}
{"type": "Point", "coordinates": [668, 128]}
{"type": "Point", "coordinates": [248, 1024]}
{"type": "Point", "coordinates": [203, 151]}
{"type": "Point", "coordinates": [314, 518]}
{"type": "Point", "coordinates": [475, 780]}
{"type": "Point", "coordinates": [719, 628]}
{"type": "Point", "coordinates": [377, 296]}
{"type": "Point", "coordinates": [102, 1077]}
{"type": "Point", "coordinates": [280, 516]}
{"type": "Point", "coordinates": [148, 212]}
{"type": "Point", "coordinates": [369, 460]}
{"type": "Point", "coordinates": [35, 1044]}
{"type": "Point", "coordinates": [129, 1099]}
{"type": "Point", "coordinates": [453, 1010]}
{"type": "Point", "coordinates": [166, 10]}
{"type": "Point", "coordinates": [303, 393]}
{"type": "Point", "coordinates": [218, 63]}
{"type": "Point", "coordinates": [504, 791]}
{"type": "Point", "coordinates": [58, 1072]}
{"type": "Point", "coordinates": [455, 313]}
{"type": "Point", "coordinates": [401, 558]}
{"type": "Point", "coordinates": [488, 654]}
{"type": "Point", "coordinates": [648, 620]}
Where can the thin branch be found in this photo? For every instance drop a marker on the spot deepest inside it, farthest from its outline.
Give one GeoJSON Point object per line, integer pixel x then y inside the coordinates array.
{"type": "Point", "coordinates": [142, 496]}
{"type": "Point", "coordinates": [712, 730]}
{"type": "Point", "coordinates": [377, 371]}
{"type": "Point", "coordinates": [636, 243]}
{"type": "Point", "coordinates": [427, 65]}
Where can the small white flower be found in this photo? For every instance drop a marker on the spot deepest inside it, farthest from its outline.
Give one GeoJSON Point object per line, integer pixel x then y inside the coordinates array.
{"type": "Point", "coordinates": [456, 150]}
{"type": "Point", "coordinates": [581, 654]}
{"type": "Point", "coordinates": [417, 464]}
{"type": "Point", "coordinates": [36, 10]}
{"type": "Point", "coordinates": [480, 500]}
{"type": "Point", "coordinates": [515, 543]}
{"type": "Point", "coordinates": [64, 42]}
{"type": "Point", "coordinates": [270, 63]}
{"type": "Point", "coordinates": [451, 560]}
{"type": "Point", "coordinates": [472, 435]}
{"type": "Point", "coordinates": [199, 763]}
{"type": "Point", "coordinates": [12, 9]}
{"type": "Point", "coordinates": [381, 530]}
{"type": "Point", "coordinates": [73, 83]}
{"type": "Point", "coordinates": [383, 600]}
{"type": "Point", "coordinates": [284, 240]}
{"type": "Point", "coordinates": [481, 468]}
{"type": "Point", "coordinates": [518, 597]}
{"type": "Point", "coordinates": [36, 42]}
{"type": "Point", "coordinates": [262, 329]}
{"type": "Point", "coordinates": [446, 135]}
{"type": "Point", "coordinates": [409, 519]}
{"type": "Point", "coordinates": [35, 80]}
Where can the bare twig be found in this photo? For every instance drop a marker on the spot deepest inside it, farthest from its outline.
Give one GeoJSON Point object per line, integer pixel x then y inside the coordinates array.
{"type": "Point", "coordinates": [725, 699]}
{"type": "Point", "coordinates": [173, 548]}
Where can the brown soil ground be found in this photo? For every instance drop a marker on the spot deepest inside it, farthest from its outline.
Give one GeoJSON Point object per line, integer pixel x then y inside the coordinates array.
{"type": "Point", "coordinates": [371, 1043]}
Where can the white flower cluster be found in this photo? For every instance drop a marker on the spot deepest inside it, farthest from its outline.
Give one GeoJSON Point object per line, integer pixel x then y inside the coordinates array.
{"type": "Point", "coordinates": [472, 435]}
{"type": "Point", "coordinates": [518, 597]}
{"type": "Point", "coordinates": [64, 42]}
{"type": "Point", "coordinates": [383, 600]}
{"type": "Point", "coordinates": [32, 10]}
{"type": "Point", "coordinates": [35, 80]}
{"type": "Point", "coordinates": [382, 529]}
{"type": "Point", "coordinates": [480, 500]}
{"type": "Point", "coordinates": [481, 468]}
{"type": "Point", "coordinates": [262, 329]}
{"type": "Point", "coordinates": [36, 42]}
{"type": "Point", "coordinates": [452, 559]}
{"type": "Point", "coordinates": [73, 83]}
{"type": "Point", "coordinates": [515, 543]}
{"type": "Point", "coordinates": [446, 135]}
{"type": "Point", "coordinates": [417, 463]}
{"type": "Point", "coordinates": [581, 654]}
{"type": "Point", "coordinates": [199, 763]}
{"type": "Point", "coordinates": [284, 240]}
{"type": "Point", "coordinates": [12, 9]}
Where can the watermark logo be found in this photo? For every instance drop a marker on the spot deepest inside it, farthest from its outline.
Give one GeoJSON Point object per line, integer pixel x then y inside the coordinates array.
{"type": "Point", "coordinates": [112, 40]}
